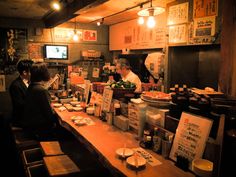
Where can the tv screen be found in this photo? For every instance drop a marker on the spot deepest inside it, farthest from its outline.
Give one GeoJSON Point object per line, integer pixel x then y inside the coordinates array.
{"type": "Point", "coordinates": [56, 52]}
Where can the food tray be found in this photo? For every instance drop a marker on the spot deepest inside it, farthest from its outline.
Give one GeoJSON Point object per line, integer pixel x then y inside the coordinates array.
{"type": "Point", "coordinates": [155, 103]}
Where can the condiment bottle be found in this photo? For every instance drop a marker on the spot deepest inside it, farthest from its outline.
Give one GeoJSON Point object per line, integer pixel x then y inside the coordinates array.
{"type": "Point", "coordinates": [156, 141]}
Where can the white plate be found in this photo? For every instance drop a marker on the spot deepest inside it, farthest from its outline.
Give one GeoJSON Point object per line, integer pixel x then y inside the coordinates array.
{"type": "Point", "coordinates": [156, 103]}
{"type": "Point", "coordinates": [74, 103]}
{"type": "Point", "coordinates": [136, 161]}
{"type": "Point", "coordinates": [56, 105]}
{"type": "Point", "coordinates": [77, 108]}
{"type": "Point", "coordinates": [80, 122]}
{"type": "Point", "coordinates": [124, 152]}
{"type": "Point", "coordinates": [74, 118]}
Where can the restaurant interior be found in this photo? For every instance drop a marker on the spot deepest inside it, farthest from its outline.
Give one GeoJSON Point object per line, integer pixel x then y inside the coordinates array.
{"type": "Point", "coordinates": [182, 123]}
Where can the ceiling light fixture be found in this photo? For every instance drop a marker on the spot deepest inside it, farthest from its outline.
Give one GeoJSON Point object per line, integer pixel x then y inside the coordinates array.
{"type": "Point", "coordinates": [149, 12]}
{"type": "Point", "coordinates": [56, 5]}
{"type": "Point", "coordinates": [77, 33]}
{"type": "Point", "coordinates": [99, 23]}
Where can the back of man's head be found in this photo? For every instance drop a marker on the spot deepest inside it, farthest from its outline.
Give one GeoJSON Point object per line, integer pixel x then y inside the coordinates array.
{"type": "Point", "coordinates": [24, 65]}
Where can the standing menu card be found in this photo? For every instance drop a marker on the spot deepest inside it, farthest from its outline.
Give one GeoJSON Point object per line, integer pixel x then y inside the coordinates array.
{"type": "Point", "coordinates": [191, 136]}
{"type": "Point", "coordinates": [106, 99]}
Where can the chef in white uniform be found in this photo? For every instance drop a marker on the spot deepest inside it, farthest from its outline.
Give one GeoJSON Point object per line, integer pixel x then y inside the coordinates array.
{"type": "Point", "coordinates": [124, 69]}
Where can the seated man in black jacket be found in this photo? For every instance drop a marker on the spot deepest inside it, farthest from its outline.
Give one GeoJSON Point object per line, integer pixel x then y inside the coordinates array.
{"type": "Point", "coordinates": [18, 90]}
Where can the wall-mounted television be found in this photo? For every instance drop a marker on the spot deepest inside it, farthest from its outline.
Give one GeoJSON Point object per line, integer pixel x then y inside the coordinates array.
{"type": "Point", "coordinates": [56, 52]}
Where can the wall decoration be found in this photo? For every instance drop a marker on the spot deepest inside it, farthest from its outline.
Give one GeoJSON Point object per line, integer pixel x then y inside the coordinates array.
{"type": "Point", "coordinates": [89, 35]}
{"type": "Point", "coordinates": [35, 51]}
{"type": "Point", "coordinates": [191, 136]}
{"type": "Point", "coordinates": [178, 14]}
{"type": "Point", "coordinates": [205, 8]}
{"type": "Point", "coordinates": [178, 34]}
{"type": "Point", "coordinates": [204, 26]}
{"type": "Point", "coordinates": [64, 34]}
{"type": "Point", "coordinates": [130, 35]}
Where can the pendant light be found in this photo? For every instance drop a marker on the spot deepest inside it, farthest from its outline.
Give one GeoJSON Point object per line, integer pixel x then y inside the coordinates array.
{"type": "Point", "coordinates": [77, 33]}
{"type": "Point", "coordinates": [150, 12]}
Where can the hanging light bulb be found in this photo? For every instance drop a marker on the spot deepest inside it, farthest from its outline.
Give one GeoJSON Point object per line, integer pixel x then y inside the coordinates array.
{"type": "Point", "coordinates": [56, 6]}
{"type": "Point", "coordinates": [151, 22]}
{"type": "Point", "coordinates": [140, 20]}
{"type": "Point", "coordinates": [99, 23]}
{"type": "Point", "coordinates": [76, 33]}
{"type": "Point", "coordinates": [150, 12]}
{"type": "Point", "coordinates": [75, 37]}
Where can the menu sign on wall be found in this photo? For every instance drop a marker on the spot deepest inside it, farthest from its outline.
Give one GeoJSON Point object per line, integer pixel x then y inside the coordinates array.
{"type": "Point", "coordinates": [191, 136]}
{"type": "Point", "coordinates": [178, 14]}
{"type": "Point", "coordinates": [204, 26]}
{"type": "Point", "coordinates": [205, 8]}
{"type": "Point", "coordinates": [131, 35]}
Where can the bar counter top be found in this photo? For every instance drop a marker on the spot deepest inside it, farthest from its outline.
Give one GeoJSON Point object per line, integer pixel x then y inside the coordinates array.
{"type": "Point", "coordinates": [103, 140]}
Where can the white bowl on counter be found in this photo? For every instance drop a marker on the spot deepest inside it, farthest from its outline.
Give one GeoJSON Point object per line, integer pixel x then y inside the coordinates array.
{"type": "Point", "coordinates": [202, 167]}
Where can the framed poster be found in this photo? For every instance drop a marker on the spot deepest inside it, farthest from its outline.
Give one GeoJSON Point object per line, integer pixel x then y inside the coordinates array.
{"type": "Point", "coordinates": [205, 8]}
{"type": "Point", "coordinates": [178, 34]}
{"type": "Point", "coordinates": [89, 35]}
{"type": "Point", "coordinates": [204, 26]}
{"type": "Point", "coordinates": [191, 136]}
{"type": "Point", "coordinates": [178, 14]}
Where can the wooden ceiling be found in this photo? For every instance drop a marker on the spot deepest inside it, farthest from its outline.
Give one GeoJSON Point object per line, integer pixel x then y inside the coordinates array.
{"type": "Point", "coordinates": [85, 11]}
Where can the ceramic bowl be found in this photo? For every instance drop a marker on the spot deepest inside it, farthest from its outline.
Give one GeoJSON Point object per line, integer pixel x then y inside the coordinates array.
{"type": "Point", "coordinates": [202, 167]}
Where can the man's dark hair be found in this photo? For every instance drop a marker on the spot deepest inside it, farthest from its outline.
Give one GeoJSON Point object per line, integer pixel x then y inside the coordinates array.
{"type": "Point", "coordinates": [124, 63]}
{"type": "Point", "coordinates": [39, 72]}
{"type": "Point", "coordinates": [24, 65]}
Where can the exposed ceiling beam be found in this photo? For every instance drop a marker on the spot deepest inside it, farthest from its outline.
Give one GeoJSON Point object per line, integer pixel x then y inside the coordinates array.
{"type": "Point", "coordinates": [56, 18]}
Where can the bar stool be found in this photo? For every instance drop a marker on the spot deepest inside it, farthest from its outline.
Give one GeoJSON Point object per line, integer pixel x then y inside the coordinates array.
{"type": "Point", "coordinates": [23, 140]}
{"type": "Point", "coordinates": [51, 148]}
{"type": "Point", "coordinates": [60, 165]}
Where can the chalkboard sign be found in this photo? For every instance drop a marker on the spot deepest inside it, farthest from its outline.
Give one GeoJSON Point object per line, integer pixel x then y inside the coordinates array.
{"type": "Point", "coordinates": [191, 136]}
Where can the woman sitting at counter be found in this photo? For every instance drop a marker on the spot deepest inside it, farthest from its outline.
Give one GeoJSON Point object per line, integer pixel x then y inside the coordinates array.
{"type": "Point", "coordinates": [39, 118]}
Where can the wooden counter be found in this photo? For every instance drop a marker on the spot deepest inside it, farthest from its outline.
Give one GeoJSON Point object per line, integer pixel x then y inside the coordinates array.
{"type": "Point", "coordinates": [103, 140]}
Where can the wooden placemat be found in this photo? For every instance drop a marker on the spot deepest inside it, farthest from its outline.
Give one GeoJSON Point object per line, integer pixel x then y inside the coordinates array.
{"type": "Point", "coordinates": [51, 148]}
{"type": "Point", "coordinates": [60, 165]}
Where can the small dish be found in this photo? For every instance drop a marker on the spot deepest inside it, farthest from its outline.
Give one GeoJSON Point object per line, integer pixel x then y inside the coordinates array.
{"type": "Point", "coordinates": [202, 167]}
{"type": "Point", "coordinates": [124, 152]}
{"type": "Point", "coordinates": [80, 122]}
{"type": "Point", "coordinates": [77, 108]}
{"type": "Point", "coordinates": [74, 103]}
{"type": "Point", "coordinates": [57, 105]}
{"type": "Point", "coordinates": [136, 161]}
{"type": "Point", "coordinates": [74, 118]}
